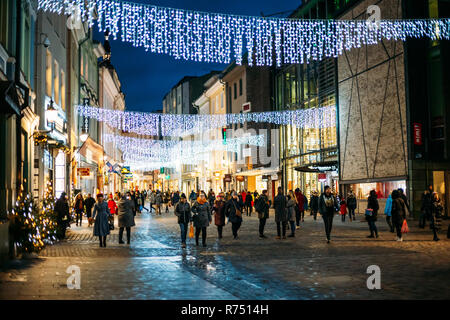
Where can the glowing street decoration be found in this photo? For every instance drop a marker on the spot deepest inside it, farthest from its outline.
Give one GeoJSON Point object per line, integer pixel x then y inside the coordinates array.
{"type": "Point", "coordinates": [220, 38]}
{"type": "Point", "coordinates": [138, 150]}
{"type": "Point", "coordinates": [185, 124]}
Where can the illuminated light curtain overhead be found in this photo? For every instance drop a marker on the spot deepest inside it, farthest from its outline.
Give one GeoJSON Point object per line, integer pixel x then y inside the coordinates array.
{"type": "Point", "coordinates": [220, 38]}
{"type": "Point", "coordinates": [183, 124]}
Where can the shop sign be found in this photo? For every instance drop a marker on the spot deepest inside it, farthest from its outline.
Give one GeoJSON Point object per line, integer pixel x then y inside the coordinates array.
{"type": "Point", "coordinates": [246, 107]}
{"type": "Point", "coordinates": [265, 178]}
{"type": "Point", "coordinates": [274, 177]}
{"type": "Point", "coordinates": [227, 178]}
{"type": "Point", "coordinates": [125, 170]}
{"type": "Point", "coordinates": [417, 134]}
{"type": "Point", "coordinates": [322, 177]}
{"type": "Point", "coordinates": [84, 172]}
{"type": "Point", "coordinates": [240, 178]}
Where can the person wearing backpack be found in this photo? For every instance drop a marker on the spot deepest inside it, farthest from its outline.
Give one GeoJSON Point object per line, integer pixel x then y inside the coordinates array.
{"type": "Point", "coordinates": [262, 205]}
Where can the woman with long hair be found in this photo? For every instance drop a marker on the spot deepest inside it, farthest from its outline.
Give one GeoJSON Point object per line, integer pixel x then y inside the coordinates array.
{"type": "Point", "coordinates": [79, 208]}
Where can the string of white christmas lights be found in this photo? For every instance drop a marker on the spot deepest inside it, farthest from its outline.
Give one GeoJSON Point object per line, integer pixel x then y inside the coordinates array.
{"type": "Point", "coordinates": [155, 124]}
{"type": "Point", "coordinates": [188, 151]}
{"type": "Point", "coordinates": [218, 38]}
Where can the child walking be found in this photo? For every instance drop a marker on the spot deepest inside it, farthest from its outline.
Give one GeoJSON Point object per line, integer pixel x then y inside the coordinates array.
{"type": "Point", "coordinates": [343, 211]}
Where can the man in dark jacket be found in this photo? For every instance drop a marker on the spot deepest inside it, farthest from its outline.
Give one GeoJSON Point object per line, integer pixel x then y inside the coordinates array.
{"type": "Point", "coordinates": [233, 210]}
{"type": "Point", "coordinates": [372, 203]}
{"type": "Point", "coordinates": [405, 200]}
{"type": "Point", "coordinates": [248, 203]}
{"type": "Point", "coordinates": [427, 206]}
{"type": "Point", "coordinates": [183, 212]}
{"type": "Point", "coordinates": [262, 205]}
{"type": "Point", "coordinates": [351, 205]}
{"type": "Point", "coordinates": [175, 199]}
{"type": "Point", "coordinates": [314, 201]}
{"type": "Point", "coordinates": [62, 215]}
{"type": "Point", "coordinates": [89, 204]}
{"type": "Point", "coordinates": [281, 215]}
{"type": "Point", "coordinates": [192, 197]}
{"type": "Point", "coordinates": [328, 206]}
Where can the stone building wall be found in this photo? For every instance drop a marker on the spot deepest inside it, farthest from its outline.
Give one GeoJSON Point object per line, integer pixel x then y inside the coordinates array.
{"type": "Point", "coordinates": [372, 105]}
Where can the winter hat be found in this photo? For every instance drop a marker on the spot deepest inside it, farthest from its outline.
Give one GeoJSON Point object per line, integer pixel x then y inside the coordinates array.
{"type": "Point", "coordinates": [183, 196]}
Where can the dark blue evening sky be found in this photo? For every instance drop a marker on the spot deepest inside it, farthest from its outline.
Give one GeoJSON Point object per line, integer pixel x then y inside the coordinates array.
{"type": "Point", "coordinates": [147, 77]}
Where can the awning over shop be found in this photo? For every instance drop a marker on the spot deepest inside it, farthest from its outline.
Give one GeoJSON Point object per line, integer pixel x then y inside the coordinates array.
{"type": "Point", "coordinates": [92, 151]}
{"type": "Point", "coordinates": [325, 166]}
{"type": "Point", "coordinates": [259, 172]}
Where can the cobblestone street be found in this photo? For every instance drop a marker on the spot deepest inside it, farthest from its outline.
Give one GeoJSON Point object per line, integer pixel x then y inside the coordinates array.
{"type": "Point", "coordinates": [305, 267]}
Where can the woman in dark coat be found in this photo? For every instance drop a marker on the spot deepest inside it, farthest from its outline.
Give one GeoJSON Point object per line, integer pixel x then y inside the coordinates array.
{"type": "Point", "coordinates": [281, 213]}
{"type": "Point", "coordinates": [219, 214]}
{"type": "Point", "coordinates": [248, 203]}
{"type": "Point", "coordinates": [126, 217]}
{"type": "Point", "coordinates": [183, 212]}
{"type": "Point", "coordinates": [231, 211]}
{"type": "Point", "coordinates": [314, 204]}
{"type": "Point", "coordinates": [62, 215]}
{"type": "Point", "coordinates": [436, 215]}
{"type": "Point", "coordinates": [372, 203]}
{"type": "Point", "coordinates": [351, 205]}
{"type": "Point", "coordinates": [101, 215]}
{"type": "Point", "coordinates": [79, 208]}
{"type": "Point", "coordinates": [398, 213]}
{"type": "Point", "coordinates": [202, 217]}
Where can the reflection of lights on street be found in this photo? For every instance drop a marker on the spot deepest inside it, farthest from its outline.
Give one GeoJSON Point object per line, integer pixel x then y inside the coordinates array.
{"type": "Point", "coordinates": [209, 267]}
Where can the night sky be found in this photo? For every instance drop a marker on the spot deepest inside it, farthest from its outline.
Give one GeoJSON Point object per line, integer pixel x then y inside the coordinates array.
{"type": "Point", "coordinates": [146, 77]}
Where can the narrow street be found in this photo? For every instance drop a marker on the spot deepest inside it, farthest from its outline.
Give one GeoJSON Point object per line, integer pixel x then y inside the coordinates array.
{"type": "Point", "coordinates": [155, 267]}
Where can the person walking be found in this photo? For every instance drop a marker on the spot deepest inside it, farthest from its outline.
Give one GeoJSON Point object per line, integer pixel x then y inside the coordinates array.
{"type": "Point", "coordinates": [262, 205]}
{"type": "Point", "coordinates": [143, 197]}
{"type": "Point", "coordinates": [89, 204]}
{"type": "Point", "coordinates": [175, 199]}
{"type": "Point", "coordinates": [248, 204]}
{"type": "Point", "coordinates": [328, 206]}
{"type": "Point", "coordinates": [291, 206]}
{"type": "Point", "coordinates": [183, 212]}
{"type": "Point", "coordinates": [192, 197]}
{"type": "Point", "coordinates": [133, 198]}
{"type": "Point", "coordinates": [300, 214]}
{"type": "Point", "coordinates": [219, 214]}
{"type": "Point", "coordinates": [343, 208]}
{"type": "Point", "coordinates": [398, 213]}
{"type": "Point", "coordinates": [202, 217]}
{"type": "Point", "coordinates": [351, 205]}
{"type": "Point", "coordinates": [372, 213]}
{"type": "Point", "coordinates": [101, 217]}
{"type": "Point", "coordinates": [166, 199]}
{"type": "Point", "coordinates": [233, 210]}
{"type": "Point", "coordinates": [112, 206]}
{"type": "Point", "coordinates": [211, 197]}
{"type": "Point", "coordinates": [427, 206]}
{"type": "Point", "coordinates": [125, 217]}
{"type": "Point", "coordinates": [388, 212]}
{"type": "Point", "coordinates": [281, 215]}
{"type": "Point", "coordinates": [436, 215]}
{"type": "Point", "coordinates": [158, 202]}
{"type": "Point", "coordinates": [79, 208]}
{"type": "Point", "coordinates": [152, 199]}
{"type": "Point", "coordinates": [405, 200]}
{"type": "Point", "coordinates": [314, 204]}
{"type": "Point", "coordinates": [62, 215]}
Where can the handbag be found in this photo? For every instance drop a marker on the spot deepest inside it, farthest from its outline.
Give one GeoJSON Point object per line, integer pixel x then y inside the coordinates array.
{"type": "Point", "coordinates": [405, 228]}
{"type": "Point", "coordinates": [238, 212]}
{"type": "Point", "coordinates": [369, 212]}
{"type": "Point", "coordinates": [191, 231]}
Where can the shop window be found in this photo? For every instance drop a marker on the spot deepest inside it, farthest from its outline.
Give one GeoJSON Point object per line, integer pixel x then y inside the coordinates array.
{"type": "Point", "coordinates": [48, 74]}
{"type": "Point", "coordinates": [63, 91]}
{"type": "Point", "coordinates": [383, 189]}
{"type": "Point", "coordinates": [56, 83]}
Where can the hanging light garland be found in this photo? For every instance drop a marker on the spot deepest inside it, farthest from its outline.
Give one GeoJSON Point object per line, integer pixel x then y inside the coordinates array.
{"type": "Point", "coordinates": [185, 124]}
{"type": "Point", "coordinates": [137, 150]}
{"type": "Point", "coordinates": [220, 38]}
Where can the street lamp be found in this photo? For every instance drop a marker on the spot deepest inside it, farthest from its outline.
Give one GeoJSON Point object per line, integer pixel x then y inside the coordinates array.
{"type": "Point", "coordinates": [84, 136]}
{"type": "Point", "coordinates": [52, 114]}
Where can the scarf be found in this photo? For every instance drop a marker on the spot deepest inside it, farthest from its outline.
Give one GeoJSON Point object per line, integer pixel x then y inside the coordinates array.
{"type": "Point", "coordinates": [201, 201]}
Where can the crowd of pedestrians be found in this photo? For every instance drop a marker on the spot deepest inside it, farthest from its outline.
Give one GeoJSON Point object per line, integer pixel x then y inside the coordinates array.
{"type": "Point", "coordinates": [196, 212]}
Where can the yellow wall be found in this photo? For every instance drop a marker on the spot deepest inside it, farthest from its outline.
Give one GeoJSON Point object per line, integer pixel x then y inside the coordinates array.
{"type": "Point", "coordinates": [251, 183]}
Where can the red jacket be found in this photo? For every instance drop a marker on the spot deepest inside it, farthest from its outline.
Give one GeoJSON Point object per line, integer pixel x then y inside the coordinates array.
{"type": "Point", "coordinates": [112, 206]}
{"type": "Point", "coordinates": [300, 201]}
{"type": "Point", "coordinates": [343, 208]}
{"type": "Point", "coordinates": [243, 194]}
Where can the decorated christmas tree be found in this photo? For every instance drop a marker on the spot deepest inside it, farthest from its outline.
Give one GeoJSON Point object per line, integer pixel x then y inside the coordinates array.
{"type": "Point", "coordinates": [47, 218]}
{"type": "Point", "coordinates": [25, 225]}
